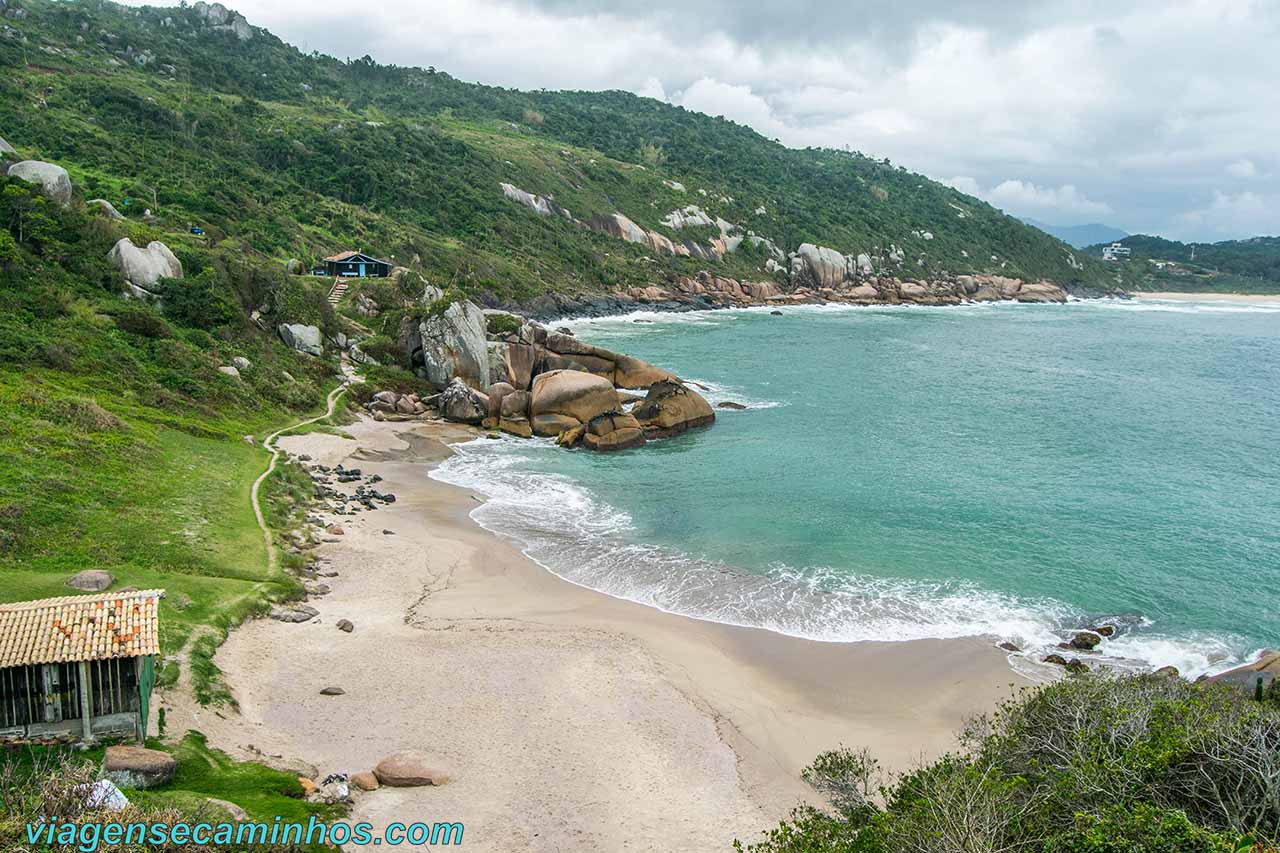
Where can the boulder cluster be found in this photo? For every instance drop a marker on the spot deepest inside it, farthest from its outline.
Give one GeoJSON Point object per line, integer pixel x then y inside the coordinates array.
{"type": "Point", "coordinates": [810, 274]}
{"type": "Point", "coordinates": [525, 379]}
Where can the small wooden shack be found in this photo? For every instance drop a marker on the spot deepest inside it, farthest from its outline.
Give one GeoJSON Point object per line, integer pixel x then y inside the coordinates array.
{"type": "Point", "coordinates": [78, 667]}
{"type": "Point", "coordinates": [356, 265]}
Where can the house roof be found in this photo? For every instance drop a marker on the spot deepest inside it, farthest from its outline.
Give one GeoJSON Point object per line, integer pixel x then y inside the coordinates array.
{"type": "Point", "coordinates": [80, 627]}
{"type": "Point", "coordinates": [346, 256]}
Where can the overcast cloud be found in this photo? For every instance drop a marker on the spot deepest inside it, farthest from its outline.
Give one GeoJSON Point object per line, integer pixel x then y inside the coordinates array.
{"type": "Point", "coordinates": [1157, 116]}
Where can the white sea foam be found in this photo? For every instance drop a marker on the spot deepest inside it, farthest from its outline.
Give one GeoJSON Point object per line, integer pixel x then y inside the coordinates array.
{"type": "Point", "coordinates": [1172, 306]}
{"type": "Point", "coordinates": [563, 527]}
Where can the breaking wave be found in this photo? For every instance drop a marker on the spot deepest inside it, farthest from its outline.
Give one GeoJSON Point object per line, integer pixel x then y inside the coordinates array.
{"type": "Point", "coordinates": [563, 527]}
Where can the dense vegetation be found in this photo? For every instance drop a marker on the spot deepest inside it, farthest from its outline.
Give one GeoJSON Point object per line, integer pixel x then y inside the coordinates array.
{"type": "Point", "coordinates": [284, 154]}
{"type": "Point", "coordinates": [1246, 266]}
{"type": "Point", "coordinates": [1092, 764]}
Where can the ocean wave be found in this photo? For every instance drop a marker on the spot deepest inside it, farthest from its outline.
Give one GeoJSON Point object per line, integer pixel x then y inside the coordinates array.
{"type": "Point", "coordinates": [1160, 306]}
{"type": "Point", "coordinates": [564, 528]}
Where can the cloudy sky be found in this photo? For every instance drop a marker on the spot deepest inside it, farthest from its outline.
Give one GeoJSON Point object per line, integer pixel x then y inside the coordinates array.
{"type": "Point", "coordinates": [1156, 116]}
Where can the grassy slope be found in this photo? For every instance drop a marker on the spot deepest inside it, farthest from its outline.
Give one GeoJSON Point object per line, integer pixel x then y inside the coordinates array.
{"type": "Point", "coordinates": [295, 155]}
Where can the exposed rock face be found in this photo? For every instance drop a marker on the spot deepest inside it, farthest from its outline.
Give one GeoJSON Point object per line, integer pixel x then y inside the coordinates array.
{"type": "Point", "coordinates": [301, 337]}
{"type": "Point", "coordinates": [53, 180]}
{"type": "Point", "coordinates": [451, 344]}
{"type": "Point", "coordinates": [136, 767]}
{"type": "Point", "coordinates": [690, 216]}
{"type": "Point", "coordinates": [142, 268]}
{"type": "Point", "coordinates": [408, 769]}
{"type": "Point", "coordinates": [613, 432]}
{"type": "Point", "coordinates": [6, 149]}
{"type": "Point", "coordinates": [496, 393]}
{"type": "Point", "coordinates": [104, 207]}
{"type": "Point", "coordinates": [541, 205]}
{"type": "Point", "coordinates": [91, 580]}
{"type": "Point", "coordinates": [818, 266]}
{"type": "Point", "coordinates": [671, 408]}
{"type": "Point", "coordinates": [572, 395]}
{"type": "Point", "coordinates": [463, 404]}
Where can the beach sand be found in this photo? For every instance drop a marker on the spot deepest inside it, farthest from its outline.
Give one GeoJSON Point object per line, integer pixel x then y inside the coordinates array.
{"type": "Point", "coordinates": [566, 719]}
{"type": "Point", "coordinates": [1209, 297]}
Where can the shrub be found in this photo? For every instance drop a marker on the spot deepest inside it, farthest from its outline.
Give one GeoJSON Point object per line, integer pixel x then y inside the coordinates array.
{"type": "Point", "coordinates": [503, 324]}
{"type": "Point", "coordinates": [383, 349]}
{"type": "Point", "coordinates": [142, 320]}
{"type": "Point", "coordinates": [1093, 764]}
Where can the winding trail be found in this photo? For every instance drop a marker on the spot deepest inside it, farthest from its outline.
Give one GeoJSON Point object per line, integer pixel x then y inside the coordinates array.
{"type": "Point", "coordinates": [269, 443]}
{"type": "Point", "coordinates": [182, 656]}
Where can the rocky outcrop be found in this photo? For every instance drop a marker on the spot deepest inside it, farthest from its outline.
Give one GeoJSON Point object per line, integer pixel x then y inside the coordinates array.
{"type": "Point", "coordinates": [461, 403]}
{"type": "Point", "coordinates": [542, 205]}
{"type": "Point", "coordinates": [91, 580]}
{"type": "Point", "coordinates": [53, 180]}
{"type": "Point", "coordinates": [818, 266]}
{"type": "Point", "coordinates": [141, 269]}
{"type": "Point", "coordinates": [449, 344]}
{"type": "Point", "coordinates": [104, 208]}
{"type": "Point", "coordinates": [572, 395]}
{"type": "Point", "coordinates": [219, 17]}
{"type": "Point", "coordinates": [137, 767]}
{"type": "Point", "coordinates": [671, 408]}
{"type": "Point", "coordinates": [303, 338]}
{"type": "Point", "coordinates": [7, 151]}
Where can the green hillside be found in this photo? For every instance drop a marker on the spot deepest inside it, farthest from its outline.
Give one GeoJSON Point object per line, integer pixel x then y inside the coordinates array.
{"type": "Point", "coordinates": [1240, 266]}
{"type": "Point", "coordinates": [283, 154]}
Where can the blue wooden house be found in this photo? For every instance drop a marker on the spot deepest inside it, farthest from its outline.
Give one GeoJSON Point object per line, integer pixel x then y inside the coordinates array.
{"type": "Point", "coordinates": [356, 265]}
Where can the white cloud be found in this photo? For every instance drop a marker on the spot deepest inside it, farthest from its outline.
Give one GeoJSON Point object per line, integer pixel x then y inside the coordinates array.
{"type": "Point", "coordinates": [1231, 215]}
{"type": "Point", "coordinates": [1242, 169]}
{"type": "Point", "coordinates": [1023, 198]}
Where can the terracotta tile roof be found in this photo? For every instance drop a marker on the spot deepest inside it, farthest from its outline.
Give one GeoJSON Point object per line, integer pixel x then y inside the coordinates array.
{"type": "Point", "coordinates": [80, 627]}
{"type": "Point", "coordinates": [341, 256]}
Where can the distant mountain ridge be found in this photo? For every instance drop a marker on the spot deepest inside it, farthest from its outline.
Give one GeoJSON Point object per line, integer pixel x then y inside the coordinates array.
{"type": "Point", "coordinates": [1080, 236]}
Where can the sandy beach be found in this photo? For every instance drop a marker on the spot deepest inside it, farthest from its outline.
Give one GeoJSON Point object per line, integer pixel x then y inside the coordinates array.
{"type": "Point", "coordinates": [566, 719]}
{"type": "Point", "coordinates": [1209, 297]}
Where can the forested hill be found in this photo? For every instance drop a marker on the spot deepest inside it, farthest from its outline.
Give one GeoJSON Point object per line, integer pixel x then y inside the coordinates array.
{"type": "Point", "coordinates": [1155, 263]}
{"type": "Point", "coordinates": [207, 121]}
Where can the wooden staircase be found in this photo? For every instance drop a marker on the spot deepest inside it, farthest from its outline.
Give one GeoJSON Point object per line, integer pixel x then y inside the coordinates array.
{"type": "Point", "coordinates": [339, 288]}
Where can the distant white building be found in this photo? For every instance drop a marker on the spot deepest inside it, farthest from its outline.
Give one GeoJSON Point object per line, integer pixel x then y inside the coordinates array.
{"type": "Point", "coordinates": [1115, 252]}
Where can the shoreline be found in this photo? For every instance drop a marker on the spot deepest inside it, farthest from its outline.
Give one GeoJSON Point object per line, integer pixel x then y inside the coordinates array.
{"type": "Point", "coordinates": [1178, 296]}
{"type": "Point", "coordinates": [567, 719]}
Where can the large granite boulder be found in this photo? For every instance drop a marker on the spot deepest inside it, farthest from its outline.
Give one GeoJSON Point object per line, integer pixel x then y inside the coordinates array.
{"type": "Point", "coordinates": [53, 179]}
{"type": "Point", "coordinates": [513, 363]}
{"type": "Point", "coordinates": [630, 372]}
{"type": "Point", "coordinates": [6, 150]}
{"type": "Point", "coordinates": [408, 769]}
{"type": "Point", "coordinates": [141, 269]}
{"type": "Point", "coordinates": [91, 580]}
{"type": "Point", "coordinates": [461, 403]}
{"type": "Point", "coordinates": [303, 338]}
{"type": "Point", "coordinates": [496, 393]}
{"type": "Point", "coordinates": [103, 208]}
{"type": "Point", "coordinates": [450, 344]}
{"type": "Point", "coordinates": [818, 266]}
{"type": "Point", "coordinates": [572, 394]}
{"type": "Point", "coordinates": [613, 432]}
{"type": "Point", "coordinates": [1040, 291]}
{"type": "Point", "coordinates": [137, 767]}
{"type": "Point", "coordinates": [671, 408]}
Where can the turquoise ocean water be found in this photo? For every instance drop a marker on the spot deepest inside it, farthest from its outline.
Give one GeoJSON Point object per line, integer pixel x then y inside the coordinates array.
{"type": "Point", "coordinates": [997, 470]}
